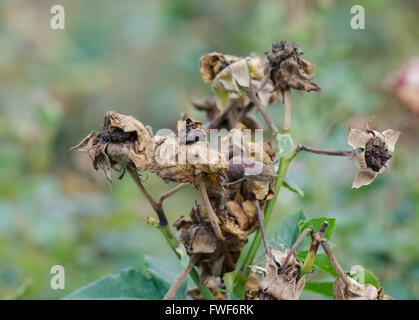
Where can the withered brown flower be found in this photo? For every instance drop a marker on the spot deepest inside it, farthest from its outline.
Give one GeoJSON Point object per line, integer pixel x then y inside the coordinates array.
{"type": "Point", "coordinates": [375, 155]}
{"type": "Point", "coordinates": [234, 75]}
{"type": "Point", "coordinates": [279, 283]}
{"type": "Point", "coordinates": [125, 141]}
{"type": "Point", "coordinates": [286, 69]}
{"type": "Point", "coordinates": [346, 288]}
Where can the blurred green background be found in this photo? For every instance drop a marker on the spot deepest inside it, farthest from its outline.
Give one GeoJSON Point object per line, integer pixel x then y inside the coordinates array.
{"type": "Point", "coordinates": [142, 58]}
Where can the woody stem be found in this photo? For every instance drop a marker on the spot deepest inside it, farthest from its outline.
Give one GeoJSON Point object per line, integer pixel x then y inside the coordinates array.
{"type": "Point", "coordinates": [262, 228]}
{"type": "Point", "coordinates": [333, 260]}
{"type": "Point", "coordinates": [214, 221]}
{"type": "Point", "coordinates": [287, 111]}
{"type": "Point", "coordinates": [294, 247]}
{"type": "Point", "coordinates": [180, 278]}
{"type": "Point", "coordinates": [158, 208]}
{"type": "Point", "coordinates": [262, 109]}
{"type": "Point", "coordinates": [311, 255]}
{"type": "Point", "coordinates": [343, 153]}
{"type": "Point", "coordinates": [166, 231]}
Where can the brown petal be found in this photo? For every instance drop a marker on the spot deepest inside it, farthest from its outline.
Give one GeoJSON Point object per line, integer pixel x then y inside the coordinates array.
{"type": "Point", "coordinates": [357, 138]}
{"type": "Point", "coordinates": [212, 63]}
{"type": "Point", "coordinates": [349, 289]}
{"type": "Point", "coordinates": [86, 143]}
{"type": "Point", "coordinates": [364, 178]}
{"type": "Point", "coordinates": [391, 137]}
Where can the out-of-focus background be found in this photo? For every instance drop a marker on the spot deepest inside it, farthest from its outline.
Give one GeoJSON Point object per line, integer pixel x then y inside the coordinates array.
{"type": "Point", "coordinates": [142, 58]}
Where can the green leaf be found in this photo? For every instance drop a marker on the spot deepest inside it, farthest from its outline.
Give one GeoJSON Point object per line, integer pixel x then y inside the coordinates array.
{"type": "Point", "coordinates": [323, 288]}
{"type": "Point", "coordinates": [288, 231]}
{"type": "Point", "coordinates": [364, 276]}
{"type": "Point", "coordinates": [292, 187]}
{"type": "Point", "coordinates": [240, 286]}
{"type": "Point", "coordinates": [230, 282]}
{"type": "Point", "coordinates": [317, 223]}
{"type": "Point", "coordinates": [321, 262]}
{"type": "Point", "coordinates": [128, 284]}
{"type": "Point", "coordinates": [285, 144]}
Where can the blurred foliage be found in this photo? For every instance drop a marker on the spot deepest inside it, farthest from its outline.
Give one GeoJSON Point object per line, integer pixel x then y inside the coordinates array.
{"type": "Point", "coordinates": [142, 58]}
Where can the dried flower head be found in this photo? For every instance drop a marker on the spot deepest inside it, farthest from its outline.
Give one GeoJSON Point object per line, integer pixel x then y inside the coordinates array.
{"type": "Point", "coordinates": [230, 75]}
{"type": "Point", "coordinates": [375, 155]}
{"type": "Point", "coordinates": [279, 283]}
{"type": "Point", "coordinates": [286, 69]}
{"type": "Point", "coordinates": [126, 142]}
{"type": "Point", "coordinates": [346, 288]}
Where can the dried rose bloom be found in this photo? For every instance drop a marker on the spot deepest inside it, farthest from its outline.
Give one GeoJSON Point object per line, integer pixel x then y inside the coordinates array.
{"type": "Point", "coordinates": [232, 197]}
{"type": "Point", "coordinates": [286, 69]}
{"type": "Point", "coordinates": [346, 288]}
{"type": "Point", "coordinates": [231, 75]}
{"type": "Point", "coordinates": [374, 159]}
{"type": "Point", "coordinates": [212, 63]}
{"type": "Point", "coordinates": [278, 283]}
{"type": "Point", "coordinates": [126, 142]}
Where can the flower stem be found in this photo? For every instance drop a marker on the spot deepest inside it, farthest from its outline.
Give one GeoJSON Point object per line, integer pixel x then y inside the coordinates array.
{"type": "Point", "coordinates": [180, 278]}
{"type": "Point", "coordinates": [282, 170]}
{"type": "Point", "coordinates": [343, 153]}
{"type": "Point", "coordinates": [167, 233]}
{"type": "Point", "coordinates": [333, 260]}
{"type": "Point", "coordinates": [287, 112]}
{"type": "Point", "coordinates": [294, 247]}
{"type": "Point", "coordinates": [311, 255]}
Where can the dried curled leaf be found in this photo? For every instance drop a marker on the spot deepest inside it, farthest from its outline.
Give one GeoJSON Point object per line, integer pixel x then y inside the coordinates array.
{"type": "Point", "coordinates": [286, 69]}
{"type": "Point", "coordinates": [279, 283]}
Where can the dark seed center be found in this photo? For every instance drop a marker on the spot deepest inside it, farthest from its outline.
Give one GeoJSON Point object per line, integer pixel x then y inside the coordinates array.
{"type": "Point", "coordinates": [376, 153]}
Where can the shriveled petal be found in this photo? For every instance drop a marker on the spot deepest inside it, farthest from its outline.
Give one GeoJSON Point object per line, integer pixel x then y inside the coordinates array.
{"type": "Point", "coordinates": [391, 137]}
{"type": "Point", "coordinates": [258, 269]}
{"type": "Point", "coordinates": [357, 138]}
{"type": "Point", "coordinates": [364, 178]}
{"type": "Point", "coordinates": [212, 63]}
{"type": "Point", "coordinates": [360, 161]}
{"type": "Point", "coordinates": [86, 143]}
{"type": "Point", "coordinates": [241, 72]}
{"type": "Point", "coordinates": [224, 81]}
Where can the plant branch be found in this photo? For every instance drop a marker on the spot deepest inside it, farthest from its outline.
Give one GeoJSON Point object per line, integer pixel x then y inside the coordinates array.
{"type": "Point", "coordinates": [262, 109]}
{"type": "Point", "coordinates": [172, 192]}
{"type": "Point", "coordinates": [287, 111]}
{"type": "Point", "coordinates": [166, 231]}
{"type": "Point", "coordinates": [294, 247]}
{"type": "Point", "coordinates": [214, 221]}
{"type": "Point", "coordinates": [309, 260]}
{"type": "Point", "coordinates": [156, 206]}
{"type": "Point", "coordinates": [180, 278]}
{"type": "Point", "coordinates": [282, 170]}
{"type": "Point", "coordinates": [216, 121]}
{"type": "Point", "coordinates": [333, 260]}
{"type": "Point", "coordinates": [343, 153]}
{"type": "Point", "coordinates": [262, 228]}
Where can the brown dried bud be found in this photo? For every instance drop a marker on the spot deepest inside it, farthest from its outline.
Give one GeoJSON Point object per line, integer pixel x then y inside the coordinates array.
{"type": "Point", "coordinates": [286, 69]}
{"type": "Point", "coordinates": [346, 288]}
{"type": "Point", "coordinates": [279, 283]}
